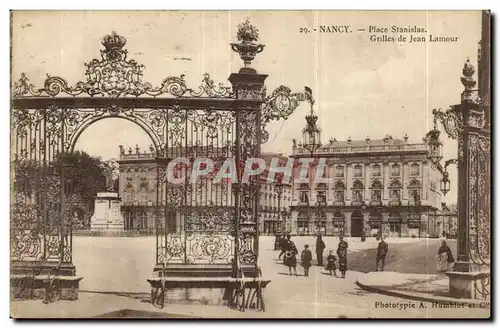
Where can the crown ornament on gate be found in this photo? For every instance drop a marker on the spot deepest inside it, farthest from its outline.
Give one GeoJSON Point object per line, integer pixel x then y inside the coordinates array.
{"type": "Point", "coordinates": [247, 48]}
{"type": "Point", "coordinates": [113, 44]}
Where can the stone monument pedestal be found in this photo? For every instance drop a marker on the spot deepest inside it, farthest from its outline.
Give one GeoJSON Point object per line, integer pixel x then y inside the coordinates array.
{"type": "Point", "coordinates": [107, 214]}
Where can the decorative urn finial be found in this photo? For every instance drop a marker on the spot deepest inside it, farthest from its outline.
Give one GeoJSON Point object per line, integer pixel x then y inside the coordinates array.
{"type": "Point", "coordinates": [247, 48]}
{"type": "Point", "coordinates": [467, 78]}
{"type": "Point", "coordinates": [113, 44]}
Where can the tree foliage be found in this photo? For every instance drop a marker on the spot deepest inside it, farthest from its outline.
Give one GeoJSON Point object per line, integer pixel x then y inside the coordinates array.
{"type": "Point", "coordinates": [82, 176]}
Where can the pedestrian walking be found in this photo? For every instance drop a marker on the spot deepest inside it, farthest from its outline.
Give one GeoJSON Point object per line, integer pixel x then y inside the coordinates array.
{"type": "Point", "coordinates": [330, 264]}
{"type": "Point", "coordinates": [342, 254]}
{"type": "Point", "coordinates": [283, 245]}
{"type": "Point", "coordinates": [445, 258]}
{"type": "Point", "coordinates": [306, 258]}
{"type": "Point", "coordinates": [382, 250]}
{"type": "Point", "coordinates": [291, 257]}
{"type": "Point", "coordinates": [320, 247]}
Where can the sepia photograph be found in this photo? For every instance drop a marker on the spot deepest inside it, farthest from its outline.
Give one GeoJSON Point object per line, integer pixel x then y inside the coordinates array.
{"type": "Point", "coordinates": [250, 164]}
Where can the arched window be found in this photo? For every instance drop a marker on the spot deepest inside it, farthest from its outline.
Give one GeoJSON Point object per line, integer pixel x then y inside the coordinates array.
{"type": "Point", "coordinates": [376, 191]}
{"type": "Point", "coordinates": [395, 191]}
{"type": "Point", "coordinates": [414, 191]}
{"type": "Point", "coordinates": [357, 185]}
{"type": "Point", "coordinates": [376, 170]}
{"type": "Point", "coordinates": [395, 170]}
{"type": "Point", "coordinates": [358, 171]}
{"type": "Point", "coordinates": [339, 192]}
{"type": "Point", "coordinates": [415, 169]}
{"type": "Point", "coordinates": [357, 191]}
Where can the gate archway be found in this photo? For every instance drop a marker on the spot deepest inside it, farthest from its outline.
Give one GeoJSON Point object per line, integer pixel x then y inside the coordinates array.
{"type": "Point", "coordinates": [213, 121]}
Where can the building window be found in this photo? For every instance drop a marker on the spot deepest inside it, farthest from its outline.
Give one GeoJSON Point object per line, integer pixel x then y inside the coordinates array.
{"type": "Point", "coordinates": [396, 170]}
{"type": "Point", "coordinates": [321, 194]}
{"type": "Point", "coordinates": [358, 171]}
{"type": "Point", "coordinates": [304, 196]}
{"type": "Point", "coordinates": [395, 195]}
{"type": "Point", "coordinates": [339, 171]}
{"type": "Point", "coordinates": [321, 197]}
{"type": "Point", "coordinates": [414, 191]}
{"type": "Point", "coordinates": [304, 193]}
{"type": "Point", "coordinates": [376, 195]}
{"type": "Point", "coordinates": [302, 224]}
{"type": "Point", "coordinates": [129, 221]}
{"type": "Point", "coordinates": [357, 192]}
{"type": "Point", "coordinates": [339, 192]}
{"type": "Point", "coordinates": [339, 195]}
{"type": "Point", "coordinates": [376, 191]}
{"type": "Point", "coordinates": [376, 171]}
{"type": "Point", "coordinates": [415, 169]}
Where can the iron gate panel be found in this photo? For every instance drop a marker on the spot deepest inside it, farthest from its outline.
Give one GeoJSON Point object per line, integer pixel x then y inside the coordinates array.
{"type": "Point", "coordinates": [212, 121]}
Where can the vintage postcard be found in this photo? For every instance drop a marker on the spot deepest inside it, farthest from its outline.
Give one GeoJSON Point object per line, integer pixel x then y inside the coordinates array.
{"type": "Point", "coordinates": [250, 164]}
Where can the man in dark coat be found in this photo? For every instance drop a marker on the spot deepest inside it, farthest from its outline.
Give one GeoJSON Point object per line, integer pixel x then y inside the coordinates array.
{"type": "Point", "coordinates": [382, 250]}
{"type": "Point", "coordinates": [320, 247]}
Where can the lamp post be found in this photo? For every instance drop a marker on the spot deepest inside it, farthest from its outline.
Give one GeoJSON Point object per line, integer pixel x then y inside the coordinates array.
{"type": "Point", "coordinates": [278, 187]}
{"type": "Point", "coordinates": [363, 232]}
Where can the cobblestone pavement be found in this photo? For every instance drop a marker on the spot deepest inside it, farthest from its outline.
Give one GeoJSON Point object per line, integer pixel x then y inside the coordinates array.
{"type": "Point", "coordinates": [121, 265]}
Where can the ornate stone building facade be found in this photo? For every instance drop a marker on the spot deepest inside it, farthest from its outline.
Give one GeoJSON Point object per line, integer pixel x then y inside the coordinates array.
{"type": "Point", "coordinates": [272, 219]}
{"type": "Point", "coordinates": [370, 186]}
{"type": "Point", "coordinates": [137, 189]}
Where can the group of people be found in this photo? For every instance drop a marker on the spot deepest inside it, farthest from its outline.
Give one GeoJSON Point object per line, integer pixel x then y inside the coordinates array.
{"type": "Point", "coordinates": [289, 252]}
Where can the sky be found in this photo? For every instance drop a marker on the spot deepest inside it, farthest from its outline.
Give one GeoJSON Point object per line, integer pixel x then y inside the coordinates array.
{"type": "Point", "coordinates": [361, 88]}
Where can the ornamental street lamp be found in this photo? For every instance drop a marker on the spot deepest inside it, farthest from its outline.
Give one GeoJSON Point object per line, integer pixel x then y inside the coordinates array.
{"type": "Point", "coordinates": [311, 133]}
{"type": "Point", "coordinates": [278, 187]}
{"type": "Point", "coordinates": [445, 181]}
{"type": "Point", "coordinates": [434, 145]}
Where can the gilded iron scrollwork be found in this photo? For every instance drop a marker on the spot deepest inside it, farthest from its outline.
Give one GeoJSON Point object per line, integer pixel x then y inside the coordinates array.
{"type": "Point", "coordinates": [114, 75]}
{"type": "Point", "coordinates": [26, 232]}
{"type": "Point", "coordinates": [280, 105]}
{"type": "Point", "coordinates": [479, 200]}
{"type": "Point", "coordinates": [451, 119]}
{"type": "Point", "coordinates": [153, 121]}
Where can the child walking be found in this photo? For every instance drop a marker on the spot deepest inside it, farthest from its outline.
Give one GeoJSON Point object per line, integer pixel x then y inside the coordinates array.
{"type": "Point", "coordinates": [330, 265]}
{"type": "Point", "coordinates": [306, 259]}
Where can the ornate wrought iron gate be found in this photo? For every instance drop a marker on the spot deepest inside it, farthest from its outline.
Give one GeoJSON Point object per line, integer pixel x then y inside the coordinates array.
{"type": "Point", "coordinates": [219, 220]}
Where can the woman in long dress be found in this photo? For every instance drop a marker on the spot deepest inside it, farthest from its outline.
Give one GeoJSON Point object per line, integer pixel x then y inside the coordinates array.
{"type": "Point", "coordinates": [445, 258]}
{"type": "Point", "coordinates": [291, 258]}
{"type": "Point", "coordinates": [342, 254]}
